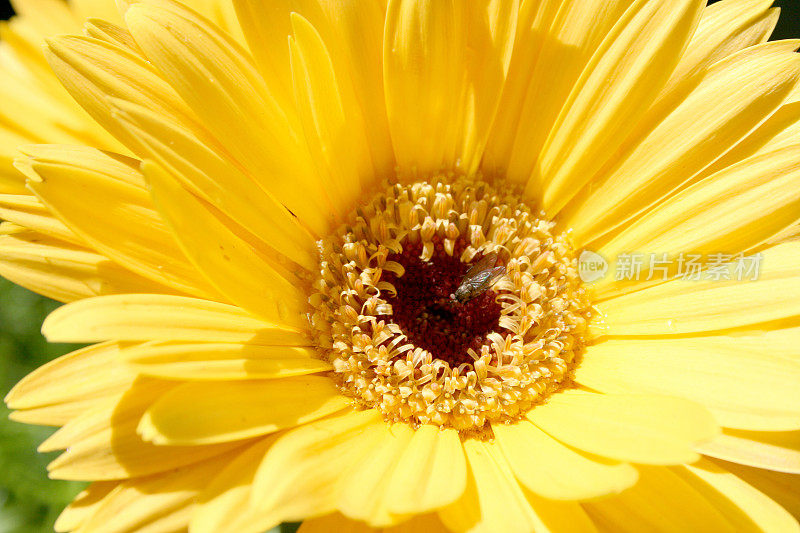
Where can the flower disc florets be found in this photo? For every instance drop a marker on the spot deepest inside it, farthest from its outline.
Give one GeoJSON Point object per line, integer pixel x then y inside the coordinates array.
{"type": "Point", "coordinates": [398, 342]}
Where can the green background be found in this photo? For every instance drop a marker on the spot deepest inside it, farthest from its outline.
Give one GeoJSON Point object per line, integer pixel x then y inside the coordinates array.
{"type": "Point", "coordinates": [29, 501]}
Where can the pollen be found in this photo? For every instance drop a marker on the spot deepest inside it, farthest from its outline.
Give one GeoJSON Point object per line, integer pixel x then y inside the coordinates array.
{"type": "Point", "coordinates": [382, 314]}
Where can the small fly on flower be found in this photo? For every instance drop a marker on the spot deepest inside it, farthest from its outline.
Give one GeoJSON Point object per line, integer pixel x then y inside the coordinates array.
{"type": "Point", "coordinates": [479, 278]}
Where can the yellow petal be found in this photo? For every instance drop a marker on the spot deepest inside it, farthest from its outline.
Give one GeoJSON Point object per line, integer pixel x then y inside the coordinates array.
{"type": "Point", "coordinates": [779, 131]}
{"type": "Point", "coordinates": [225, 500]}
{"type": "Point", "coordinates": [133, 234]}
{"type": "Point", "coordinates": [626, 427]}
{"type": "Point", "coordinates": [240, 271]}
{"type": "Point", "coordinates": [684, 306]}
{"type": "Point", "coordinates": [639, 55]}
{"type": "Point", "coordinates": [779, 486]}
{"type": "Point", "coordinates": [205, 65]}
{"type": "Point", "coordinates": [741, 504]}
{"type": "Point", "coordinates": [660, 501]}
{"type": "Point", "coordinates": [93, 70]}
{"type": "Point", "coordinates": [495, 503]}
{"type": "Point", "coordinates": [366, 486]}
{"type": "Point", "coordinates": [219, 181]}
{"type": "Point", "coordinates": [734, 210]}
{"type": "Point", "coordinates": [83, 506]}
{"type": "Point", "coordinates": [154, 317]}
{"type": "Point", "coordinates": [734, 96]}
{"type": "Point", "coordinates": [266, 27]}
{"type": "Point", "coordinates": [212, 412]}
{"type": "Point", "coordinates": [742, 386]}
{"type": "Point", "coordinates": [429, 523]}
{"type": "Point", "coordinates": [332, 123]}
{"type": "Point", "coordinates": [27, 211]}
{"type": "Point", "coordinates": [65, 272]}
{"type": "Point", "coordinates": [89, 373]}
{"type": "Point", "coordinates": [555, 41]}
{"type": "Point", "coordinates": [301, 475]}
{"type": "Point", "coordinates": [725, 28]}
{"type": "Point", "coordinates": [773, 450]}
{"type": "Point", "coordinates": [431, 472]}
{"type": "Point", "coordinates": [491, 29]}
{"type": "Point", "coordinates": [102, 444]}
{"type": "Point", "coordinates": [52, 415]}
{"type": "Point", "coordinates": [423, 67]}
{"type": "Point", "coordinates": [355, 45]}
{"type": "Point", "coordinates": [111, 33]}
{"type": "Point", "coordinates": [210, 361]}
{"type": "Point", "coordinates": [162, 502]}
{"type": "Point", "coordinates": [541, 463]}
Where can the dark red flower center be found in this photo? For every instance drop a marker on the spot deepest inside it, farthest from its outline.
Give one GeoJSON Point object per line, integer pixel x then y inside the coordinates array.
{"type": "Point", "coordinates": [424, 310]}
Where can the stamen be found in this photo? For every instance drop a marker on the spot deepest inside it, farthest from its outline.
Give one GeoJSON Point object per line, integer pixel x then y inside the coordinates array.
{"type": "Point", "coordinates": [398, 342]}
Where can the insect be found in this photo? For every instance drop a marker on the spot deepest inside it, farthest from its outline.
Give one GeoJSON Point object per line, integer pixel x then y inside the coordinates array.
{"type": "Point", "coordinates": [479, 278]}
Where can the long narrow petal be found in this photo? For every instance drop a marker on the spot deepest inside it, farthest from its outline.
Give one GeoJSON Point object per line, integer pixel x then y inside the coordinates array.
{"type": "Point", "coordinates": [103, 444]}
{"type": "Point", "coordinates": [743, 387]}
{"type": "Point", "coordinates": [226, 498]}
{"type": "Point", "coordinates": [495, 503]}
{"type": "Point", "coordinates": [240, 271]}
{"type": "Point", "coordinates": [431, 472]}
{"type": "Point", "coordinates": [779, 131]}
{"type": "Point", "coordinates": [155, 317]}
{"type": "Point", "coordinates": [331, 122]}
{"type": "Point", "coordinates": [424, 67]}
{"type": "Point", "coordinates": [134, 236]}
{"type": "Point", "coordinates": [491, 29]}
{"type": "Point", "coordinates": [554, 42]}
{"type": "Point", "coordinates": [735, 210]}
{"type": "Point", "coordinates": [725, 28]}
{"type": "Point", "coordinates": [428, 523]}
{"type": "Point", "coordinates": [28, 211]}
{"type": "Point", "coordinates": [205, 65]}
{"type": "Point", "coordinates": [266, 28]}
{"type": "Point", "coordinates": [301, 475]}
{"type": "Point", "coordinates": [223, 411]}
{"type": "Point", "coordinates": [541, 463]}
{"type": "Point", "coordinates": [772, 450]}
{"type": "Point", "coordinates": [741, 504]}
{"type": "Point", "coordinates": [639, 55]}
{"type": "Point", "coordinates": [734, 96]}
{"type": "Point", "coordinates": [779, 486]}
{"type": "Point", "coordinates": [365, 488]}
{"type": "Point", "coordinates": [637, 428]}
{"type": "Point", "coordinates": [83, 505]}
{"type": "Point", "coordinates": [219, 181]}
{"type": "Point", "coordinates": [89, 373]}
{"type": "Point", "coordinates": [661, 501]}
{"type": "Point", "coordinates": [215, 361]}
{"type": "Point", "coordinates": [681, 306]}
{"type": "Point", "coordinates": [158, 503]}
{"type": "Point", "coordinates": [93, 70]}
{"type": "Point", "coordinates": [355, 45]}
{"type": "Point", "coordinates": [65, 272]}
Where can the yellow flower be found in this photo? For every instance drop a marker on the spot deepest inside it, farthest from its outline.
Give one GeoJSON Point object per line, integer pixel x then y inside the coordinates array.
{"type": "Point", "coordinates": [265, 229]}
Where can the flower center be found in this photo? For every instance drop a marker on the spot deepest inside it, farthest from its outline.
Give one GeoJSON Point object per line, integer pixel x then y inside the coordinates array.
{"type": "Point", "coordinates": [449, 302]}
{"type": "Point", "coordinates": [426, 311]}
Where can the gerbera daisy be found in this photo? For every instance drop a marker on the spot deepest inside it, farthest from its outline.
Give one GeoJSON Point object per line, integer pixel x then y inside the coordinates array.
{"type": "Point", "coordinates": [267, 227]}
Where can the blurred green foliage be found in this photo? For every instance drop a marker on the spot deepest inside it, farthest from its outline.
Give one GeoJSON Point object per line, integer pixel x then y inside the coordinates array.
{"type": "Point", "coordinates": [29, 501]}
